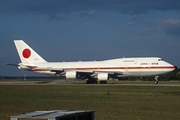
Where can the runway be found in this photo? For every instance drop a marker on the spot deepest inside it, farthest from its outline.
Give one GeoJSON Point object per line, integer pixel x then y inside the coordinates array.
{"type": "Point", "coordinates": [22, 82]}
{"type": "Point", "coordinates": [65, 82]}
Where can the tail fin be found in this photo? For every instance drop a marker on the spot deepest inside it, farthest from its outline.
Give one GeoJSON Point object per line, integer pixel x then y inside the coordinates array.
{"type": "Point", "coordinates": [26, 53]}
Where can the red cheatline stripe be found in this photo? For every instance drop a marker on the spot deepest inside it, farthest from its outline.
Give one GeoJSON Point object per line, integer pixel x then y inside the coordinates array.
{"type": "Point", "coordinates": [113, 68]}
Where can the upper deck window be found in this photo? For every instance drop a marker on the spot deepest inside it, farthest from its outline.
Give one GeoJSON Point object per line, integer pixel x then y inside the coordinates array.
{"type": "Point", "coordinates": [160, 59]}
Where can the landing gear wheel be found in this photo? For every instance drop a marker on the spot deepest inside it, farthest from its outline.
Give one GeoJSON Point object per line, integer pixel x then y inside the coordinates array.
{"type": "Point", "coordinates": [88, 82]}
{"type": "Point", "coordinates": [94, 81]}
{"type": "Point", "coordinates": [156, 80]}
{"type": "Point", "coordinates": [103, 82]}
{"type": "Point", "coordinates": [91, 81]}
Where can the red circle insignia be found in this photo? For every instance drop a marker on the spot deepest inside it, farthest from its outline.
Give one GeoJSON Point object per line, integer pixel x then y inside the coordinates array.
{"type": "Point", "coordinates": [26, 53]}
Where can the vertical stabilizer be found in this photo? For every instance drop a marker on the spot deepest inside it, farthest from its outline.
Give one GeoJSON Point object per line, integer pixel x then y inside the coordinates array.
{"type": "Point", "coordinates": [26, 53]}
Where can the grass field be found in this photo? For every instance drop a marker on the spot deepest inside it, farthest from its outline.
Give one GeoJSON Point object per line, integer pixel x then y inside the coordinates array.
{"type": "Point", "coordinates": [108, 102]}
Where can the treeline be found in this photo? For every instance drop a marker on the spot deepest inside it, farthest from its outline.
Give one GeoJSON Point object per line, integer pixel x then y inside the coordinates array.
{"type": "Point", "coordinates": [174, 75]}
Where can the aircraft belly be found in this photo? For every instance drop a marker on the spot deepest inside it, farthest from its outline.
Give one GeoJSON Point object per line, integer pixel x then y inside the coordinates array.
{"type": "Point", "coordinates": [145, 73]}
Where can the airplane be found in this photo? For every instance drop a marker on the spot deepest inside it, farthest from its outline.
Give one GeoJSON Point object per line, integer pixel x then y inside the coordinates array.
{"type": "Point", "coordinates": [92, 71]}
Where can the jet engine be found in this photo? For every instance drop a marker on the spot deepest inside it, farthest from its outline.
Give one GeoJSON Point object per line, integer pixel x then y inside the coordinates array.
{"type": "Point", "coordinates": [103, 76]}
{"type": "Point", "coordinates": [71, 75]}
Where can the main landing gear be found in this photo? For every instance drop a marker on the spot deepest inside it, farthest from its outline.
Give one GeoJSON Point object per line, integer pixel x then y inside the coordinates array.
{"type": "Point", "coordinates": [94, 81]}
{"type": "Point", "coordinates": [156, 79]}
{"type": "Point", "coordinates": [103, 82]}
{"type": "Point", "coordinates": [91, 81]}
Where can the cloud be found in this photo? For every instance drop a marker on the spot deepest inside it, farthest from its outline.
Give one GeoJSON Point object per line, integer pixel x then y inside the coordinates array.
{"type": "Point", "coordinates": [130, 23]}
{"type": "Point", "coordinates": [170, 26]}
{"type": "Point", "coordinates": [88, 14]}
{"type": "Point", "coordinates": [59, 16]}
{"type": "Point", "coordinates": [144, 30]}
{"type": "Point", "coordinates": [58, 8]}
{"type": "Point", "coordinates": [134, 16]}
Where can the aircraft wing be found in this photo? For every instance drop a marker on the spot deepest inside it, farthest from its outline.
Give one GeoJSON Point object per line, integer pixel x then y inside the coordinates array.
{"type": "Point", "coordinates": [96, 71]}
{"type": "Point", "coordinates": [92, 74]}
{"type": "Point", "coordinates": [83, 74]}
{"type": "Point", "coordinates": [63, 71]}
{"type": "Point", "coordinates": [58, 71]}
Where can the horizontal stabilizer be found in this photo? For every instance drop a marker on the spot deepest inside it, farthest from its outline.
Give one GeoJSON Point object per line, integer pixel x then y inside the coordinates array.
{"type": "Point", "coordinates": [12, 64]}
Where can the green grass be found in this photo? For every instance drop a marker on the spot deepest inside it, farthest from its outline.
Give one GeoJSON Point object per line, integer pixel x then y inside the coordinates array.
{"type": "Point", "coordinates": [109, 102]}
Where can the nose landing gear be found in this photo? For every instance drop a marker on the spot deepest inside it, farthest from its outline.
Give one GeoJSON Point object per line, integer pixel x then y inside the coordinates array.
{"type": "Point", "coordinates": [156, 80]}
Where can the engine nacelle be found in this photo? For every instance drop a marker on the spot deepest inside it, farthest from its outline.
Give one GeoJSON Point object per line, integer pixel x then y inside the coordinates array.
{"type": "Point", "coordinates": [103, 76]}
{"type": "Point", "coordinates": [71, 75]}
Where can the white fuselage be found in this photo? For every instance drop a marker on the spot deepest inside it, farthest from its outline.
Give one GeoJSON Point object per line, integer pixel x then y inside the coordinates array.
{"type": "Point", "coordinates": [127, 67]}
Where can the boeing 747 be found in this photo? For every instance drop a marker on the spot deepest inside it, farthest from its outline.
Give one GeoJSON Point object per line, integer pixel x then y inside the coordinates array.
{"type": "Point", "coordinates": [92, 71]}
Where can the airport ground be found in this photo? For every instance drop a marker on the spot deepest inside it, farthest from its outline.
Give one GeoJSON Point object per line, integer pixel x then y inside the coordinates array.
{"type": "Point", "coordinates": [118, 100]}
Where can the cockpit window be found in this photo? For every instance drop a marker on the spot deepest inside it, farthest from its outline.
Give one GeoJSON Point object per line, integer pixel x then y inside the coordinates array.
{"type": "Point", "coordinates": [160, 59]}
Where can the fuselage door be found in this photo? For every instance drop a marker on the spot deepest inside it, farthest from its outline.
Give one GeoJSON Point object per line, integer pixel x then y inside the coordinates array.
{"type": "Point", "coordinates": [135, 61]}
{"type": "Point", "coordinates": [126, 69]}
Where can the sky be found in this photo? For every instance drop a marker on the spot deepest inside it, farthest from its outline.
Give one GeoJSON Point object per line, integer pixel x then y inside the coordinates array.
{"type": "Point", "coordinates": [74, 30]}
